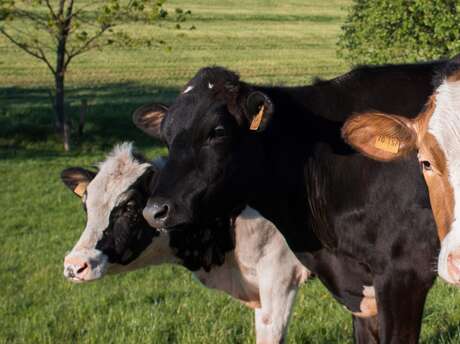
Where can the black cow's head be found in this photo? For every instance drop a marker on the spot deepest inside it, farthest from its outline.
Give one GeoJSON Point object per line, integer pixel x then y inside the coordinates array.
{"type": "Point", "coordinates": [211, 131]}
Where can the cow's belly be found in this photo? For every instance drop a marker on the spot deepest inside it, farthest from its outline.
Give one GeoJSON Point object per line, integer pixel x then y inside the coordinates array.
{"type": "Point", "coordinates": [349, 281]}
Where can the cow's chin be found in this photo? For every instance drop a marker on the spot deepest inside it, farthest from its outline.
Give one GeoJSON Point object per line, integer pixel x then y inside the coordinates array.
{"type": "Point", "coordinates": [449, 258]}
{"type": "Point", "coordinates": [78, 280]}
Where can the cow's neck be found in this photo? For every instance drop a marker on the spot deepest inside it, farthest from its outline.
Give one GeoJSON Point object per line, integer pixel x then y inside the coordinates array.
{"type": "Point", "coordinates": [289, 144]}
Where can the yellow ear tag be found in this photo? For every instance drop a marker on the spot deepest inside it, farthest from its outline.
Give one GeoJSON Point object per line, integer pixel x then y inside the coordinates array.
{"type": "Point", "coordinates": [80, 189]}
{"type": "Point", "coordinates": [255, 124]}
{"type": "Point", "coordinates": [387, 144]}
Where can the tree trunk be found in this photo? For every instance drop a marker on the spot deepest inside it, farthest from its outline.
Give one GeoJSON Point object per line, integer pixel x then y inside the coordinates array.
{"type": "Point", "coordinates": [61, 118]}
{"type": "Point", "coordinates": [64, 29]}
{"type": "Point", "coordinates": [81, 124]}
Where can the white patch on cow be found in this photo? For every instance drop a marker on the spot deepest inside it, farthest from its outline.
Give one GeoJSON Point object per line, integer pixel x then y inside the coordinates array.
{"type": "Point", "coordinates": [444, 125]}
{"type": "Point", "coordinates": [188, 89]}
{"type": "Point", "coordinates": [116, 174]}
{"type": "Point", "coordinates": [262, 272]}
{"type": "Point", "coordinates": [210, 86]}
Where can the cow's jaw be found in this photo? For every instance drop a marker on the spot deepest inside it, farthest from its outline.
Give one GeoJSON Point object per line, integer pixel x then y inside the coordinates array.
{"type": "Point", "coordinates": [158, 252]}
{"type": "Point", "coordinates": [444, 125]}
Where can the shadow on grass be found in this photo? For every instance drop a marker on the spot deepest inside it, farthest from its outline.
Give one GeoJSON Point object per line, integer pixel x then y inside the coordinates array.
{"type": "Point", "coordinates": [448, 335]}
{"type": "Point", "coordinates": [27, 118]}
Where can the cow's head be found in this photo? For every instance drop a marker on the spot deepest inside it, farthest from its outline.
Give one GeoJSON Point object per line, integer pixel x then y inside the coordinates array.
{"type": "Point", "coordinates": [116, 234]}
{"type": "Point", "coordinates": [210, 131]}
{"type": "Point", "coordinates": [435, 133]}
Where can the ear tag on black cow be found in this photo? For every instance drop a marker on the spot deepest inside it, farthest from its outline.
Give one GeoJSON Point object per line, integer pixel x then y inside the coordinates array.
{"type": "Point", "coordinates": [387, 144]}
{"type": "Point", "coordinates": [80, 189]}
{"type": "Point", "coordinates": [255, 124]}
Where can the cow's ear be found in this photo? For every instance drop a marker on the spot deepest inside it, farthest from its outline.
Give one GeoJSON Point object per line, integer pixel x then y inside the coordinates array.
{"type": "Point", "coordinates": [380, 136]}
{"type": "Point", "coordinates": [259, 110]}
{"type": "Point", "coordinates": [148, 118]}
{"type": "Point", "coordinates": [77, 179]}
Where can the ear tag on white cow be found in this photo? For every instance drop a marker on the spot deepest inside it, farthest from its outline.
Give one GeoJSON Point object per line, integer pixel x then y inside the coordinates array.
{"type": "Point", "coordinates": [387, 144]}
{"type": "Point", "coordinates": [80, 189]}
{"type": "Point", "coordinates": [255, 124]}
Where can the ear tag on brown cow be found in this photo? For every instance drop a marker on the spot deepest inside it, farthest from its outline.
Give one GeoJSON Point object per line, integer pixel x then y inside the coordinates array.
{"type": "Point", "coordinates": [255, 124]}
{"type": "Point", "coordinates": [387, 144]}
{"type": "Point", "coordinates": [80, 189]}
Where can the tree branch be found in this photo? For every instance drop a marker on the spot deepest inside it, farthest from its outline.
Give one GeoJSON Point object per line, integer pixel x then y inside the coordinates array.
{"type": "Point", "coordinates": [50, 8]}
{"type": "Point", "coordinates": [39, 54]}
{"type": "Point", "coordinates": [61, 9]}
{"type": "Point", "coordinates": [86, 46]}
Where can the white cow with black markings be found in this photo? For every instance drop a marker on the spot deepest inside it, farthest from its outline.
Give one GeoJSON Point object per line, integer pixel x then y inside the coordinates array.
{"type": "Point", "coordinates": [245, 256]}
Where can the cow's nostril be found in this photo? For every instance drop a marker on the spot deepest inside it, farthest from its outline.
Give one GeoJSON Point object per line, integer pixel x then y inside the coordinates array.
{"type": "Point", "coordinates": [161, 212]}
{"type": "Point", "coordinates": [82, 268]}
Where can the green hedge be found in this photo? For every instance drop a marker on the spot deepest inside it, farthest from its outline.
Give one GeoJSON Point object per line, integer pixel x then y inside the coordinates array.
{"type": "Point", "coordinates": [382, 31]}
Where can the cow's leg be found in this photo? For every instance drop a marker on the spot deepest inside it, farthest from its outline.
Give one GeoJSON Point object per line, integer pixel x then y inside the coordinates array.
{"type": "Point", "coordinates": [365, 330]}
{"type": "Point", "coordinates": [401, 297]}
{"type": "Point", "coordinates": [263, 330]}
{"type": "Point", "coordinates": [272, 318]}
{"type": "Point", "coordinates": [277, 290]}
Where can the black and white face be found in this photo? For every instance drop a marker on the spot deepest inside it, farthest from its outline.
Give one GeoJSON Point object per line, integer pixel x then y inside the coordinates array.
{"type": "Point", "coordinates": [116, 237]}
{"type": "Point", "coordinates": [215, 153]}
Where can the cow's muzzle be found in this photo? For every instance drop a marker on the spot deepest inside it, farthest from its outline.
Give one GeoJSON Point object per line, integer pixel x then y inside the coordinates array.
{"type": "Point", "coordinates": [79, 268]}
{"type": "Point", "coordinates": [156, 214]}
{"type": "Point", "coordinates": [449, 257]}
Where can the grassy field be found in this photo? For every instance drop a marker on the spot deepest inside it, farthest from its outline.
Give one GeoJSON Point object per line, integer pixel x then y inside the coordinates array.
{"type": "Point", "coordinates": [267, 43]}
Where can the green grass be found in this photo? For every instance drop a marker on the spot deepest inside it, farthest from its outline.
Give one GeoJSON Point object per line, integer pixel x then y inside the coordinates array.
{"type": "Point", "coordinates": [267, 43]}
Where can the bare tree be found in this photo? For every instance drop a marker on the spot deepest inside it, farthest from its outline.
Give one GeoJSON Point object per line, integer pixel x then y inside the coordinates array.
{"type": "Point", "coordinates": [57, 31]}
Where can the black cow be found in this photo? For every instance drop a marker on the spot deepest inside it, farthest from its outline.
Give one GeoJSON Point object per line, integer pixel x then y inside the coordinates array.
{"type": "Point", "coordinates": [366, 227]}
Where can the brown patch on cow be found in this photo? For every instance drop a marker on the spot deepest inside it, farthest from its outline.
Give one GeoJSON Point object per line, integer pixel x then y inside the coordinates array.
{"type": "Point", "coordinates": [253, 304]}
{"type": "Point", "coordinates": [437, 180]}
{"type": "Point", "coordinates": [454, 77]}
{"type": "Point", "coordinates": [368, 308]}
{"type": "Point", "coordinates": [363, 131]}
{"type": "Point", "coordinates": [421, 122]}
{"type": "Point", "coordinates": [440, 190]}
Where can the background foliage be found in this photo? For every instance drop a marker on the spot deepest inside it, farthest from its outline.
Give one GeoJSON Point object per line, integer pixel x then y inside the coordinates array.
{"type": "Point", "coordinates": [270, 42]}
{"type": "Point", "coordinates": [384, 31]}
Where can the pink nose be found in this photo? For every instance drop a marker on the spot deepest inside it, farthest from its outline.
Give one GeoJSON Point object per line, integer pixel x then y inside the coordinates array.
{"type": "Point", "coordinates": [453, 266]}
{"type": "Point", "coordinates": [76, 268]}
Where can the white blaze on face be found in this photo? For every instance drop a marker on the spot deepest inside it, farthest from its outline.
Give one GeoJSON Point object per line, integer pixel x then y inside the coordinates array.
{"type": "Point", "coordinates": [116, 174]}
{"type": "Point", "coordinates": [444, 125]}
{"type": "Point", "coordinates": [188, 89]}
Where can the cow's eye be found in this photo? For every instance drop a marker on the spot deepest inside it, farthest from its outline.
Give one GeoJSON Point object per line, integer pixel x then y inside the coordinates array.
{"type": "Point", "coordinates": [426, 165]}
{"type": "Point", "coordinates": [130, 205]}
{"type": "Point", "coordinates": [219, 131]}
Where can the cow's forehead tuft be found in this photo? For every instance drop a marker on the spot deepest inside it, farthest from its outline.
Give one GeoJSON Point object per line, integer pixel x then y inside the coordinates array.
{"type": "Point", "coordinates": [116, 174]}
{"type": "Point", "coordinates": [214, 76]}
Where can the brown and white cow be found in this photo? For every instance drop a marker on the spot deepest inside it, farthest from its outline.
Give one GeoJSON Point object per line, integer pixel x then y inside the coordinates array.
{"type": "Point", "coordinates": [435, 133]}
{"type": "Point", "coordinates": [251, 261]}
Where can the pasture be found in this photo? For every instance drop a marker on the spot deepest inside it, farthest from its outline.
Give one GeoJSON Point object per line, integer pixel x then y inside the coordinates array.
{"type": "Point", "coordinates": [267, 42]}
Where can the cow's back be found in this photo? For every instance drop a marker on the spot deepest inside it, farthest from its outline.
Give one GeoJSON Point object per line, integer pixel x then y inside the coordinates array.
{"type": "Point", "coordinates": [397, 89]}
